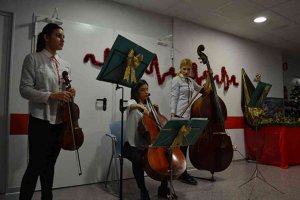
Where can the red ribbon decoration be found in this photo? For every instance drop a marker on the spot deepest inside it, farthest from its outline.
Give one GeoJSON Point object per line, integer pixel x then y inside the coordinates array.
{"type": "Point", "coordinates": [171, 71]}
{"type": "Point", "coordinates": [155, 65]}
{"type": "Point", "coordinates": [91, 57]}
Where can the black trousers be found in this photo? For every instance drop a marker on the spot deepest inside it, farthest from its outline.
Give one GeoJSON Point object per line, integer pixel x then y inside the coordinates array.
{"type": "Point", "coordinates": [136, 156]}
{"type": "Point", "coordinates": [184, 151]}
{"type": "Point", "coordinates": [44, 148]}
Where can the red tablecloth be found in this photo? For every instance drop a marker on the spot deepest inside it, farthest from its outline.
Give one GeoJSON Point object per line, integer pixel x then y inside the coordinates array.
{"type": "Point", "coordinates": [275, 145]}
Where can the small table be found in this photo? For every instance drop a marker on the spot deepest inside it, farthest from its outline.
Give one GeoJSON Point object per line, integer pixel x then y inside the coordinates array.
{"type": "Point", "coordinates": [276, 145]}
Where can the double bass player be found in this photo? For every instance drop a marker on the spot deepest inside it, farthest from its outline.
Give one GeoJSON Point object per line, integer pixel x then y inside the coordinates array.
{"type": "Point", "coordinates": [183, 89]}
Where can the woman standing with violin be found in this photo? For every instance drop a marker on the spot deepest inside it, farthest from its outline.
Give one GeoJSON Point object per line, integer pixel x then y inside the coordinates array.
{"type": "Point", "coordinates": [137, 141]}
{"type": "Point", "coordinates": [182, 90]}
{"type": "Point", "coordinates": [41, 84]}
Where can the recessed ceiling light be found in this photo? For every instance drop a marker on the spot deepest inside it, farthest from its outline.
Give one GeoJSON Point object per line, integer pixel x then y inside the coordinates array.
{"type": "Point", "coordinates": [260, 19]}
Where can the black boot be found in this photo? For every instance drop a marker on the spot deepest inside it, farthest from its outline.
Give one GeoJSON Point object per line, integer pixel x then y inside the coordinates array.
{"type": "Point", "coordinates": [144, 194]}
{"type": "Point", "coordinates": [188, 179]}
{"type": "Point", "coordinates": [163, 192]}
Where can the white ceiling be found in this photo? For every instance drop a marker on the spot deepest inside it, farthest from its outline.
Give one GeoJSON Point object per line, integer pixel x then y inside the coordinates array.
{"type": "Point", "coordinates": [281, 30]}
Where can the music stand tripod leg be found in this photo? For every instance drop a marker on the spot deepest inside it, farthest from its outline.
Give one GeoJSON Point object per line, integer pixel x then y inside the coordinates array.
{"type": "Point", "coordinates": [172, 190]}
{"type": "Point", "coordinates": [257, 173]}
{"type": "Point", "coordinates": [250, 179]}
{"type": "Point", "coordinates": [262, 178]}
{"type": "Point", "coordinates": [121, 156]}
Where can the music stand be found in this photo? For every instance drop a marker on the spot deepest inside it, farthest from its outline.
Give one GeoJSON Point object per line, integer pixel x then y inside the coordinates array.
{"type": "Point", "coordinates": [253, 112]}
{"type": "Point", "coordinates": [125, 65]}
{"type": "Point", "coordinates": [179, 132]}
{"type": "Point", "coordinates": [115, 65]}
{"type": "Point", "coordinates": [259, 94]}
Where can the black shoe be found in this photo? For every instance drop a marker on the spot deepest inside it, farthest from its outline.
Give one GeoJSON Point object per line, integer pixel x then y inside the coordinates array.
{"type": "Point", "coordinates": [144, 195]}
{"type": "Point", "coordinates": [188, 179]}
{"type": "Point", "coordinates": [163, 192]}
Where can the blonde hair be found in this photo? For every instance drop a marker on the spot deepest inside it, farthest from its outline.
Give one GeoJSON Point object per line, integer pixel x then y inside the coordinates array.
{"type": "Point", "coordinates": [186, 62]}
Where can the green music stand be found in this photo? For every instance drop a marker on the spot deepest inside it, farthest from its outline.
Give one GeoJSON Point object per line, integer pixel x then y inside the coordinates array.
{"type": "Point", "coordinates": [125, 65]}
{"type": "Point", "coordinates": [173, 131]}
{"type": "Point", "coordinates": [261, 91]}
{"type": "Point", "coordinates": [116, 64]}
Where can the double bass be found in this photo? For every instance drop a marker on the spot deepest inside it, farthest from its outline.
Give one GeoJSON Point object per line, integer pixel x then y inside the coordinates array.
{"type": "Point", "coordinates": [213, 151]}
{"type": "Point", "coordinates": [161, 163]}
{"type": "Point", "coordinates": [72, 137]}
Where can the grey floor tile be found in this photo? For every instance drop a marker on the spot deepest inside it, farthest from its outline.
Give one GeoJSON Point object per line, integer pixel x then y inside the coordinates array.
{"type": "Point", "coordinates": [225, 186]}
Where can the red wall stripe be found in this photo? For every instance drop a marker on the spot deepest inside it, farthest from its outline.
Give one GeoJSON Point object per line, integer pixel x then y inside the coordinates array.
{"type": "Point", "coordinates": [19, 124]}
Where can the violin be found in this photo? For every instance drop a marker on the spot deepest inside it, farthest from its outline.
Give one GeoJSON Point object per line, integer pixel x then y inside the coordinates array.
{"type": "Point", "coordinates": [72, 137]}
{"type": "Point", "coordinates": [213, 151]}
{"type": "Point", "coordinates": [161, 163]}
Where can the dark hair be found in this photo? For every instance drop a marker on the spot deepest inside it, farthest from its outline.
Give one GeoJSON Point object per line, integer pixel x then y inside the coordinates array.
{"type": "Point", "coordinates": [47, 30]}
{"type": "Point", "coordinates": [135, 89]}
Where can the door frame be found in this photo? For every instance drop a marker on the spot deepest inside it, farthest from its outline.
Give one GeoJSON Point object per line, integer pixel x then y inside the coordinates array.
{"type": "Point", "coordinates": [5, 80]}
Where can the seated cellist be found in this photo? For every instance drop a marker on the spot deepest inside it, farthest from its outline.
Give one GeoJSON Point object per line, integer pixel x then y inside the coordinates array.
{"type": "Point", "coordinates": [136, 141]}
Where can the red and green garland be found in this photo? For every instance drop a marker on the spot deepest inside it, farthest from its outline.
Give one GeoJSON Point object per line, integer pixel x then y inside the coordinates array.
{"type": "Point", "coordinates": [171, 71]}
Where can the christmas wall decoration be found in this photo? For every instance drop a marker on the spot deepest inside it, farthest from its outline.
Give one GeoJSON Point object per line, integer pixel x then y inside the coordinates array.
{"type": "Point", "coordinates": [154, 66]}
{"type": "Point", "coordinates": [92, 58]}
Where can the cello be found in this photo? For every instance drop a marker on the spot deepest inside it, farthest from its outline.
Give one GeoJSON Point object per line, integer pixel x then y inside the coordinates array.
{"type": "Point", "coordinates": [72, 137]}
{"type": "Point", "coordinates": [161, 163]}
{"type": "Point", "coordinates": [213, 151]}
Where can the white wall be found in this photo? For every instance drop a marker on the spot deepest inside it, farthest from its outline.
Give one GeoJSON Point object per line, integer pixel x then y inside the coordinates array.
{"type": "Point", "coordinates": [143, 28]}
{"type": "Point", "coordinates": [232, 52]}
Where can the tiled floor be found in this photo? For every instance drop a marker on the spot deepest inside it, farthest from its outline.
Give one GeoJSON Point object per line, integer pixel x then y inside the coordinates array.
{"type": "Point", "coordinates": [226, 186]}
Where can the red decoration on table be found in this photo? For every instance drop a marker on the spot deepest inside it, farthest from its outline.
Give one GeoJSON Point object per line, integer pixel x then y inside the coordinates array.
{"type": "Point", "coordinates": [276, 145]}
